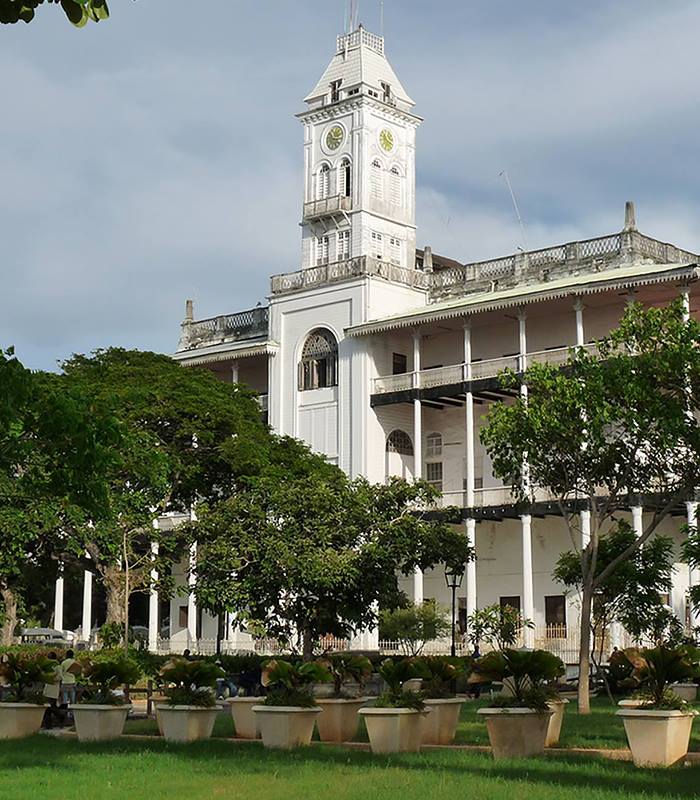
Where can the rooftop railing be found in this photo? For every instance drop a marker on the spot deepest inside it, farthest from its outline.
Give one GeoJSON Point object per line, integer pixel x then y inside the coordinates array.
{"type": "Point", "coordinates": [249, 324]}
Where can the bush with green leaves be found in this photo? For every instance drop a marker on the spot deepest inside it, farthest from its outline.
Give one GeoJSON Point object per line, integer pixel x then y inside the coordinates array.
{"type": "Point", "coordinates": [497, 626]}
{"type": "Point", "coordinates": [106, 674]}
{"type": "Point", "coordinates": [395, 674]}
{"type": "Point", "coordinates": [526, 673]}
{"type": "Point", "coordinates": [414, 625]}
{"type": "Point", "coordinates": [442, 673]}
{"type": "Point", "coordinates": [26, 674]}
{"type": "Point", "coordinates": [345, 668]}
{"type": "Point", "coordinates": [655, 669]}
{"type": "Point", "coordinates": [190, 683]}
{"type": "Point", "coordinates": [291, 684]}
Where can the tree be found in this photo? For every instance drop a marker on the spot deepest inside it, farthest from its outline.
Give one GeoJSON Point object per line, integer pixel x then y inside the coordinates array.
{"type": "Point", "coordinates": [605, 430]}
{"type": "Point", "coordinates": [413, 625]}
{"type": "Point", "coordinates": [496, 625]}
{"type": "Point", "coordinates": [304, 551]}
{"type": "Point", "coordinates": [55, 449]}
{"type": "Point", "coordinates": [79, 12]}
{"type": "Point", "coordinates": [186, 436]}
{"type": "Point", "coordinates": [631, 594]}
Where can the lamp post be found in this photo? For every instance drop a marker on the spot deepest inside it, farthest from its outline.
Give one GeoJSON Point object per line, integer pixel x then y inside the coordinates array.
{"type": "Point", "coordinates": [453, 579]}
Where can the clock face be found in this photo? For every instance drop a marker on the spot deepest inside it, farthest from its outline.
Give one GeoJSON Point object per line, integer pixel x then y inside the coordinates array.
{"type": "Point", "coordinates": [334, 137]}
{"type": "Point", "coordinates": [386, 140]}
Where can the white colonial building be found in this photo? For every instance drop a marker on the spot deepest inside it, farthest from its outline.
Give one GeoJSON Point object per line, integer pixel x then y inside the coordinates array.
{"type": "Point", "coordinates": [385, 358]}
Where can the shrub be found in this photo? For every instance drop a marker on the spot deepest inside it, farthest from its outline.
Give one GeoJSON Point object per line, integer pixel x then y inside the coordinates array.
{"type": "Point", "coordinates": [190, 683]}
{"type": "Point", "coordinates": [107, 674]}
{"type": "Point", "coordinates": [395, 675]}
{"type": "Point", "coordinates": [655, 669]}
{"type": "Point", "coordinates": [525, 672]}
{"type": "Point", "coordinates": [346, 667]}
{"type": "Point", "coordinates": [291, 684]}
{"type": "Point", "coordinates": [442, 674]}
{"type": "Point", "coordinates": [413, 626]}
{"type": "Point", "coordinates": [26, 674]}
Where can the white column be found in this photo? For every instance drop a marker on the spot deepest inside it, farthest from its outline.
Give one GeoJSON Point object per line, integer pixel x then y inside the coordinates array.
{"type": "Point", "coordinates": [637, 522]}
{"type": "Point", "coordinates": [693, 574]}
{"type": "Point", "coordinates": [87, 605]}
{"type": "Point", "coordinates": [528, 583]}
{"type": "Point", "coordinates": [469, 477]}
{"type": "Point", "coordinates": [153, 621]}
{"type": "Point", "coordinates": [685, 294]}
{"type": "Point", "coordinates": [58, 601]}
{"type": "Point", "coordinates": [578, 308]}
{"type": "Point", "coordinates": [417, 452]}
{"type": "Point", "coordinates": [585, 529]}
{"type": "Point", "coordinates": [234, 372]}
{"type": "Point", "coordinates": [191, 601]}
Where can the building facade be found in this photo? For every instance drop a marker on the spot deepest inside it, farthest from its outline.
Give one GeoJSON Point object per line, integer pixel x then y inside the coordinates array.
{"type": "Point", "coordinates": [385, 358]}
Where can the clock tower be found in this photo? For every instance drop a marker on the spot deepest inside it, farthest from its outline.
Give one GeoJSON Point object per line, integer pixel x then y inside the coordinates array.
{"type": "Point", "coordinates": [359, 159]}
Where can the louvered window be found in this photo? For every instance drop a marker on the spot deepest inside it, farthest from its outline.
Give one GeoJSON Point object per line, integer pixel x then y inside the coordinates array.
{"type": "Point", "coordinates": [376, 181]}
{"type": "Point", "coordinates": [395, 185]}
{"type": "Point", "coordinates": [343, 245]}
{"type": "Point", "coordinates": [322, 250]}
{"type": "Point", "coordinates": [377, 243]}
{"type": "Point", "coordinates": [433, 445]}
{"type": "Point", "coordinates": [433, 474]}
{"type": "Point", "coordinates": [345, 178]}
{"type": "Point", "coordinates": [323, 182]}
{"type": "Point", "coordinates": [395, 250]}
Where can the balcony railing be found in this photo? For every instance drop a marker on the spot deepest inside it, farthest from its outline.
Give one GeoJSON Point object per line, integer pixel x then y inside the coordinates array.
{"type": "Point", "coordinates": [456, 373]}
{"type": "Point", "coordinates": [228, 327]}
{"type": "Point", "coordinates": [328, 205]}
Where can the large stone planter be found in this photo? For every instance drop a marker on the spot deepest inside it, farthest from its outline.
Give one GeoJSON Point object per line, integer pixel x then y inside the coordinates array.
{"type": "Point", "coordinates": [20, 719]}
{"type": "Point", "coordinates": [98, 723]}
{"type": "Point", "coordinates": [630, 703]}
{"type": "Point", "coordinates": [516, 732]}
{"type": "Point", "coordinates": [244, 720]}
{"type": "Point", "coordinates": [285, 727]}
{"type": "Point", "coordinates": [339, 720]}
{"type": "Point", "coordinates": [657, 738]}
{"type": "Point", "coordinates": [440, 726]}
{"type": "Point", "coordinates": [186, 723]}
{"type": "Point", "coordinates": [555, 721]}
{"type": "Point", "coordinates": [686, 691]}
{"type": "Point", "coordinates": [394, 730]}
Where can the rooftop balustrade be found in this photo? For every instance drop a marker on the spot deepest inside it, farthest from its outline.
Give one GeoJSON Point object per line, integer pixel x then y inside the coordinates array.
{"type": "Point", "coordinates": [243, 325]}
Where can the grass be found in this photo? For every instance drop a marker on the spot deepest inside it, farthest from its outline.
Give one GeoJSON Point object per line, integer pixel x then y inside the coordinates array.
{"type": "Point", "coordinates": [45, 768]}
{"type": "Point", "coordinates": [602, 729]}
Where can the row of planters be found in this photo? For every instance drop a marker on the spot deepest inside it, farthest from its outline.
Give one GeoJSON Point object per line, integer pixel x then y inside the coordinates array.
{"type": "Point", "coordinates": [417, 707]}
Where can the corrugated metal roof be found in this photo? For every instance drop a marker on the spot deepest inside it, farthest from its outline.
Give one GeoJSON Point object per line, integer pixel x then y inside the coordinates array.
{"type": "Point", "coordinates": [635, 274]}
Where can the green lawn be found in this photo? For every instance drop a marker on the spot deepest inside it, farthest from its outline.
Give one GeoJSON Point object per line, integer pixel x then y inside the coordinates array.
{"type": "Point", "coordinates": [44, 768]}
{"type": "Point", "coordinates": [48, 768]}
{"type": "Point", "coordinates": [602, 729]}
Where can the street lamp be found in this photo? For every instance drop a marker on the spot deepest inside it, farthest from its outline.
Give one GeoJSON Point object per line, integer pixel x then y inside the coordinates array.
{"type": "Point", "coordinates": [453, 579]}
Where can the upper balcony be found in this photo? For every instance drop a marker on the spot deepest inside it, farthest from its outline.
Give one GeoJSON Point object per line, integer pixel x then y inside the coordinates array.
{"type": "Point", "coordinates": [327, 207]}
{"type": "Point", "coordinates": [250, 325]}
{"type": "Point", "coordinates": [454, 379]}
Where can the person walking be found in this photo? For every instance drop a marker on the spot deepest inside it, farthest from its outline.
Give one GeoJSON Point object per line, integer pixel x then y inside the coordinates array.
{"type": "Point", "coordinates": [69, 670]}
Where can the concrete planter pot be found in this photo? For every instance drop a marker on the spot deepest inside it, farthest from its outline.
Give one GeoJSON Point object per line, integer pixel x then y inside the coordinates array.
{"type": "Point", "coordinates": [555, 721]}
{"type": "Point", "coordinates": [244, 720]}
{"type": "Point", "coordinates": [629, 703]}
{"type": "Point", "coordinates": [657, 738]}
{"type": "Point", "coordinates": [394, 730]}
{"type": "Point", "coordinates": [413, 685]}
{"type": "Point", "coordinates": [686, 691]}
{"type": "Point", "coordinates": [516, 732]}
{"type": "Point", "coordinates": [185, 723]}
{"type": "Point", "coordinates": [339, 720]}
{"type": "Point", "coordinates": [99, 723]}
{"type": "Point", "coordinates": [18, 720]}
{"type": "Point", "coordinates": [440, 726]}
{"type": "Point", "coordinates": [285, 727]}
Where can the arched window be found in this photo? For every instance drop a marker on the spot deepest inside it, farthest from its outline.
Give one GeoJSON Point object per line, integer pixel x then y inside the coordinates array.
{"type": "Point", "coordinates": [345, 178]}
{"type": "Point", "coordinates": [323, 182]}
{"type": "Point", "coordinates": [399, 442]}
{"type": "Point", "coordinates": [376, 182]}
{"type": "Point", "coordinates": [318, 367]}
{"type": "Point", "coordinates": [395, 186]}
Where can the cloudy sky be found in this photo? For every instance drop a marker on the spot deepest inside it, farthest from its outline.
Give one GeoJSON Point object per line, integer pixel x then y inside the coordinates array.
{"type": "Point", "coordinates": [155, 157]}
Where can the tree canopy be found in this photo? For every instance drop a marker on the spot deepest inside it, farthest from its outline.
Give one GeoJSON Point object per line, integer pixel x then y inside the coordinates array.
{"type": "Point", "coordinates": [79, 12]}
{"type": "Point", "coordinates": [610, 428]}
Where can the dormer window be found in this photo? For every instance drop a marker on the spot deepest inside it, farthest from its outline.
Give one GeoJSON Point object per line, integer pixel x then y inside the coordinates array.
{"type": "Point", "coordinates": [335, 90]}
{"type": "Point", "coordinates": [386, 92]}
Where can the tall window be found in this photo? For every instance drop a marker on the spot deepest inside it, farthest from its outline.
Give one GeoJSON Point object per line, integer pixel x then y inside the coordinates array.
{"type": "Point", "coordinates": [555, 615]}
{"type": "Point", "coordinates": [433, 445]}
{"type": "Point", "coordinates": [377, 242]}
{"type": "Point", "coordinates": [511, 600]}
{"type": "Point", "coordinates": [335, 90]}
{"type": "Point", "coordinates": [343, 246]}
{"type": "Point", "coordinates": [323, 182]}
{"type": "Point", "coordinates": [322, 250]}
{"type": "Point", "coordinates": [399, 364]}
{"type": "Point", "coordinates": [433, 474]}
{"type": "Point", "coordinates": [345, 176]}
{"type": "Point", "coordinates": [399, 442]}
{"type": "Point", "coordinates": [318, 367]}
{"type": "Point", "coordinates": [395, 250]}
{"type": "Point", "coordinates": [395, 186]}
{"type": "Point", "coordinates": [376, 181]}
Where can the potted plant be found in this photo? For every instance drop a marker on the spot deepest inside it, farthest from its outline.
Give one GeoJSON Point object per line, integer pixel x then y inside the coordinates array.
{"type": "Point", "coordinates": [101, 713]}
{"type": "Point", "coordinates": [287, 715]}
{"type": "Point", "coordinates": [394, 724]}
{"type": "Point", "coordinates": [190, 711]}
{"type": "Point", "coordinates": [658, 731]}
{"type": "Point", "coordinates": [339, 720]}
{"type": "Point", "coordinates": [518, 721]}
{"type": "Point", "coordinates": [22, 708]}
{"type": "Point", "coordinates": [440, 726]}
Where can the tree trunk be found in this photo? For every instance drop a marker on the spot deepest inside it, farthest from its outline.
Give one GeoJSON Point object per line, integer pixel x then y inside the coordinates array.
{"type": "Point", "coordinates": [113, 580]}
{"type": "Point", "coordinates": [307, 644]}
{"type": "Point", "coordinates": [9, 601]}
{"type": "Point", "coordinates": [584, 653]}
